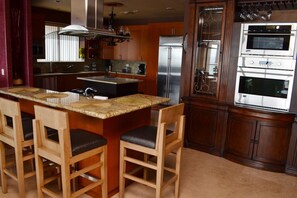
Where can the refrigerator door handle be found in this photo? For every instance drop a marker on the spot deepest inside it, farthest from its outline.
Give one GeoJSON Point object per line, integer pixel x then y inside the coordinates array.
{"type": "Point", "coordinates": [168, 71]}
{"type": "Point", "coordinates": [185, 42]}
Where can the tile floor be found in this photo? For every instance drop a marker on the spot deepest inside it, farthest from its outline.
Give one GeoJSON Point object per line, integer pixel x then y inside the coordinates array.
{"type": "Point", "coordinates": [207, 176]}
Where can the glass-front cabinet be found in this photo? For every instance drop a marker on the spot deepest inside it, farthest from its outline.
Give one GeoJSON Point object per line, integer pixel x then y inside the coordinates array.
{"type": "Point", "coordinates": [207, 57]}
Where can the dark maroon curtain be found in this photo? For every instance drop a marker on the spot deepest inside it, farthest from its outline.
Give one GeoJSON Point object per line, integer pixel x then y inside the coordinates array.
{"type": "Point", "coordinates": [16, 42]}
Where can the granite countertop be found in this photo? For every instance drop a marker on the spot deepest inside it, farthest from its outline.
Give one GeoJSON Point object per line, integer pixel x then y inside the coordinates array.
{"type": "Point", "coordinates": [102, 109]}
{"type": "Point", "coordinates": [109, 80]}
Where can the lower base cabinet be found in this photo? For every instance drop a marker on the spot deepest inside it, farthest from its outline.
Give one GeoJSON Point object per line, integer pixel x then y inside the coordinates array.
{"type": "Point", "coordinates": [62, 82]}
{"type": "Point", "coordinates": [258, 139]}
{"type": "Point", "coordinates": [205, 127]}
{"type": "Point", "coordinates": [291, 167]}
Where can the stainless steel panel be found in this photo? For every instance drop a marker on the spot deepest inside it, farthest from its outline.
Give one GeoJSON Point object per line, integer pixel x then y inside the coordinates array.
{"type": "Point", "coordinates": [170, 57]}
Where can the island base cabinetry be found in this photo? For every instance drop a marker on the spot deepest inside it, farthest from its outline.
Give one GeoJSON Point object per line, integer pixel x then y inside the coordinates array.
{"type": "Point", "coordinates": [257, 138]}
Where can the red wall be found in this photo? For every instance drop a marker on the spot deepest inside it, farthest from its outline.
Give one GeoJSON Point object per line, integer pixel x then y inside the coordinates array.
{"type": "Point", "coordinates": [5, 49]}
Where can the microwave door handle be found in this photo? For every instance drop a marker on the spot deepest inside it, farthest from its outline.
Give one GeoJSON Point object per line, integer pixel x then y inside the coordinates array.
{"type": "Point", "coordinates": [269, 34]}
{"type": "Point", "coordinates": [265, 73]}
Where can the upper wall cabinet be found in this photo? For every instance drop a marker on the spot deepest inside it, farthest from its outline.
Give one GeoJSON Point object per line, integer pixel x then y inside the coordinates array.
{"type": "Point", "coordinates": [135, 49]}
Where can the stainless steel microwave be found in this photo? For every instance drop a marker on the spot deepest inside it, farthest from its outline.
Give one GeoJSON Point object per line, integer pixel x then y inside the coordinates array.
{"type": "Point", "coordinates": [268, 39]}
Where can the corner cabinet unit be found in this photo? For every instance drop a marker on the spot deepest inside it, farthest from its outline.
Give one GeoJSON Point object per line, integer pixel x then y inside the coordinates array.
{"type": "Point", "coordinates": [258, 139]}
{"type": "Point", "coordinates": [205, 71]}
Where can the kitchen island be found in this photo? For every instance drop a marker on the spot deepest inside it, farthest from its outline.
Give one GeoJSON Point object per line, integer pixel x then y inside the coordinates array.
{"type": "Point", "coordinates": [110, 118]}
{"type": "Point", "coordinates": [111, 86]}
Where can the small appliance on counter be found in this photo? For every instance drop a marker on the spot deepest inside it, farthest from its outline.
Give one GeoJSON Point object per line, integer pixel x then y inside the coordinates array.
{"type": "Point", "coordinates": [141, 69]}
{"type": "Point", "coordinates": [126, 69]}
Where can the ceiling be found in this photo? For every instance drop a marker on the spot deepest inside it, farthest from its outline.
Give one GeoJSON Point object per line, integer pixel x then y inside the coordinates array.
{"type": "Point", "coordinates": [132, 11]}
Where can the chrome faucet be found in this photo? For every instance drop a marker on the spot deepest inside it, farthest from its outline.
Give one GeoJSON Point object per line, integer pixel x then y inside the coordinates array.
{"type": "Point", "coordinates": [89, 92]}
{"type": "Point", "coordinates": [69, 66]}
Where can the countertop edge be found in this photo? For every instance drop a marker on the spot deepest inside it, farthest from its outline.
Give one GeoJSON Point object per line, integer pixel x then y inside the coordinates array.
{"type": "Point", "coordinates": [123, 107]}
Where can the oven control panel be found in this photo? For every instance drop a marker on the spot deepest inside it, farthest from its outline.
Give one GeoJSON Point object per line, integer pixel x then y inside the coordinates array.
{"type": "Point", "coordinates": [267, 63]}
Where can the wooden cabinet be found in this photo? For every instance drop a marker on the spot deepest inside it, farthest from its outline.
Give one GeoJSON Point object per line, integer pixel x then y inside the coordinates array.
{"type": "Point", "coordinates": [62, 82]}
{"type": "Point", "coordinates": [203, 127]}
{"type": "Point", "coordinates": [204, 73]}
{"type": "Point", "coordinates": [168, 29]}
{"type": "Point", "coordinates": [92, 49]}
{"type": "Point", "coordinates": [259, 139]}
{"type": "Point", "coordinates": [106, 51]}
{"type": "Point", "coordinates": [141, 84]}
{"type": "Point", "coordinates": [46, 82]}
{"type": "Point", "coordinates": [134, 49]}
{"type": "Point", "coordinates": [208, 46]}
{"type": "Point", "coordinates": [291, 167]}
{"type": "Point", "coordinates": [121, 51]}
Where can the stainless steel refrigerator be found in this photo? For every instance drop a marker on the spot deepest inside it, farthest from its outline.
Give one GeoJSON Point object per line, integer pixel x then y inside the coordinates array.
{"type": "Point", "coordinates": [169, 67]}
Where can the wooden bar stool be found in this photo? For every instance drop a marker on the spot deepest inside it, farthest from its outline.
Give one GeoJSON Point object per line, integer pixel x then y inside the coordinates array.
{"type": "Point", "coordinates": [66, 149]}
{"type": "Point", "coordinates": [16, 131]}
{"type": "Point", "coordinates": [155, 143]}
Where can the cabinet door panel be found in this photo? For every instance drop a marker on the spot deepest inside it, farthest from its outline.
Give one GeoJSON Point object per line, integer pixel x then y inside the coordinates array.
{"type": "Point", "coordinates": [208, 49]}
{"type": "Point", "coordinates": [272, 142]}
{"type": "Point", "coordinates": [201, 127]}
{"type": "Point", "coordinates": [240, 135]}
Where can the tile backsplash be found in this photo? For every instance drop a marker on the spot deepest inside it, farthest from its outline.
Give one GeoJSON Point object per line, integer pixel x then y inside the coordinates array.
{"type": "Point", "coordinates": [119, 65]}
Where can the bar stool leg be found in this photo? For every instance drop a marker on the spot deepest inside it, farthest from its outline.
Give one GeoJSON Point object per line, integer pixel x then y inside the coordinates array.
{"type": "Point", "coordinates": [122, 170]}
{"type": "Point", "coordinates": [20, 170]}
{"type": "Point", "coordinates": [39, 175]}
{"type": "Point", "coordinates": [160, 173]}
{"type": "Point", "coordinates": [177, 171]}
{"type": "Point", "coordinates": [103, 158]}
{"type": "Point", "coordinates": [145, 171]}
{"type": "Point", "coordinates": [65, 174]}
{"type": "Point", "coordinates": [2, 167]}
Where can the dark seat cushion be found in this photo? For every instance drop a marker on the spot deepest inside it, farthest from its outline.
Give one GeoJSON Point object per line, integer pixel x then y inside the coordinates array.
{"type": "Point", "coordinates": [143, 136]}
{"type": "Point", "coordinates": [82, 141]}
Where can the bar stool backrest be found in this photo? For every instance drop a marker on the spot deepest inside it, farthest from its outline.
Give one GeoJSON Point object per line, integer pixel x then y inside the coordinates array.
{"type": "Point", "coordinates": [170, 119]}
{"type": "Point", "coordinates": [10, 110]}
{"type": "Point", "coordinates": [55, 120]}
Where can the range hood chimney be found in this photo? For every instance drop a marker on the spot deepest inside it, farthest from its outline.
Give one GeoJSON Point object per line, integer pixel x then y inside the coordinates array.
{"type": "Point", "coordinates": [87, 20]}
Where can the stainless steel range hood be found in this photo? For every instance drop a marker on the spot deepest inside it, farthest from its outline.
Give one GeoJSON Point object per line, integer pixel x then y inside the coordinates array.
{"type": "Point", "coordinates": [87, 20]}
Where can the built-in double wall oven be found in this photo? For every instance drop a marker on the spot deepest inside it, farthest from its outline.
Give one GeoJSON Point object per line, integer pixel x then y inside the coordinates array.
{"type": "Point", "coordinates": [266, 66]}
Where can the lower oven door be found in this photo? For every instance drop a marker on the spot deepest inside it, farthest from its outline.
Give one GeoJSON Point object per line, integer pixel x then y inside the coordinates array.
{"type": "Point", "coordinates": [264, 88]}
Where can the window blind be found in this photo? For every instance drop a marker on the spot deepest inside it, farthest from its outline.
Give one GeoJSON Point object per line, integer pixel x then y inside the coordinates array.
{"type": "Point", "coordinates": [60, 48]}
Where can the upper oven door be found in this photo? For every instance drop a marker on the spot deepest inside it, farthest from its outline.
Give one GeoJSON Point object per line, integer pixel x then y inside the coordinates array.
{"type": "Point", "coordinates": [264, 88]}
{"type": "Point", "coordinates": [260, 40]}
